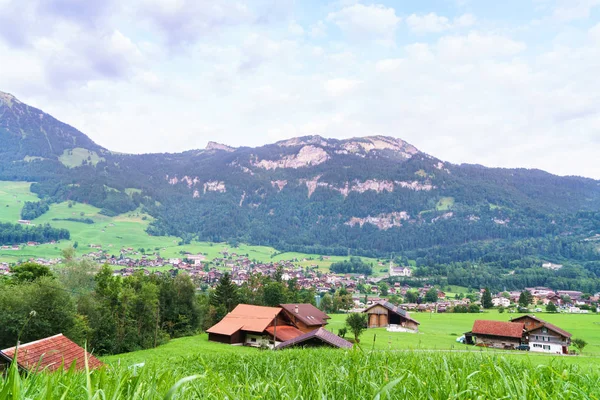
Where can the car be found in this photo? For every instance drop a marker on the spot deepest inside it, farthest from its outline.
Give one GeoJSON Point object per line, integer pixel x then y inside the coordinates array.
{"type": "Point", "coordinates": [524, 347]}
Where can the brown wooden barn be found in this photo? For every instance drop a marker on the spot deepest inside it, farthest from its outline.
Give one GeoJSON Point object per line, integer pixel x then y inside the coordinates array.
{"type": "Point", "coordinates": [384, 314]}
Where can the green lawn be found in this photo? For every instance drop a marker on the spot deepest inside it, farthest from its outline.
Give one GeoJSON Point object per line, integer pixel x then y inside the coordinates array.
{"type": "Point", "coordinates": [445, 204]}
{"type": "Point", "coordinates": [75, 157]}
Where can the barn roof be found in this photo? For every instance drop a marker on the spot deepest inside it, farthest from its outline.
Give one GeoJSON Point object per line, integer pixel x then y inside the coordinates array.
{"type": "Point", "coordinates": [284, 332]}
{"type": "Point", "coordinates": [498, 328]}
{"type": "Point", "coordinates": [320, 334]}
{"type": "Point", "coordinates": [51, 353]}
{"type": "Point", "coordinates": [403, 313]}
{"type": "Point", "coordinates": [307, 313]}
{"type": "Point", "coordinates": [245, 317]}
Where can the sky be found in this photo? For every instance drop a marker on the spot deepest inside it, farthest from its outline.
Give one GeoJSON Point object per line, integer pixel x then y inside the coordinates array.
{"type": "Point", "coordinates": [511, 83]}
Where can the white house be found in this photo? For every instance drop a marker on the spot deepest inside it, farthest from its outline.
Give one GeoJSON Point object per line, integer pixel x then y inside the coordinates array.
{"type": "Point", "coordinates": [500, 301]}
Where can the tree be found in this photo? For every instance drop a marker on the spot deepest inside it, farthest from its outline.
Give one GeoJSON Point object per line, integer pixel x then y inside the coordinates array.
{"type": "Point", "coordinates": [274, 294]}
{"type": "Point", "coordinates": [551, 307]}
{"type": "Point", "coordinates": [357, 322]}
{"type": "Point", "coordinates": [501, 309]}
{"type": "Point", "coordinates": [486, 300]}
{"type": "Point", "coordinates": [29, 272]}
{"type": "Point", "coordinates": [432, 295]}
{"type": "Point", "coordinates": [326, 303]}
{"type": "Point", "coordinates": [68, 253]}
{"type": "Point", "coordinates": [225, 293]}
{"type": "Point", "coordinates": [342, 300]}
{"type": "Point", "coordinates": [384, 288]}
{"type": "Point", "coordinates": [525, 298]}
{"type": "Point", "coordinates": [411, 296]}
{"type": "Point", "coordinates": [474, 308]}
{"type": "Point", "coordinates": [579, 344]}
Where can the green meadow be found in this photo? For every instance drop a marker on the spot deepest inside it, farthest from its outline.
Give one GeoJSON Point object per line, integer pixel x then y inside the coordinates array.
{"type": "Point", "coordinates": [437, 332]}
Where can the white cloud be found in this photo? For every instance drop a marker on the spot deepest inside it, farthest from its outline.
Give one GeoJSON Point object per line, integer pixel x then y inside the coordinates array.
{"type": "Point", "coordinates": [367, 22]}
{"type": "Point", "coordinates": [295, 28]}
{"type": "Point", "coordinates": [433, 23]}
{"type": "Point", "coordinates": [340, 86]}
{"type": "Point", "coordinates": [478, 45]}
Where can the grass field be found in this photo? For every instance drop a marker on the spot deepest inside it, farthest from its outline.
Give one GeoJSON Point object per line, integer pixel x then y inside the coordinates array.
{"type": "Point", "coordinates": [75, 157]}
{"type": "Point", "coordinates": [437, 332]}
{"type": "Point", "coordinates": [317, 374]}
{"type": "Point", "coordinates": [125, 230]}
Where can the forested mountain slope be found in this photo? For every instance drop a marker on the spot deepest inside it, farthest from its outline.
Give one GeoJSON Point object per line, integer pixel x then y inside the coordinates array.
{"type": "Point", "coordinates": [371, 195]}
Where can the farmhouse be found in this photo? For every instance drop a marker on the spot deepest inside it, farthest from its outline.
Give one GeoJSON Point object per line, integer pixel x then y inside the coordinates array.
{"type": "Point", "coordinates": [254, 326]}
{"type": "Point", "coordinates": [52, 353]}
{"type": "Point", "coordinates": [314, 338]}
{"type": "Point", "coordinates": [305, 317]}
{"type": "Point", "coordinates": [386, 315]}
{"type": "Point", "coordinates": [543, 336]}
{"type": "Point", "coordinates": [497, 334]}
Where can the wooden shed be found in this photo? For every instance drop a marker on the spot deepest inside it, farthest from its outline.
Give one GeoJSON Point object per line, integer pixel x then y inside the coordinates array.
{"type": "Point", "coordinates": [383, 314]}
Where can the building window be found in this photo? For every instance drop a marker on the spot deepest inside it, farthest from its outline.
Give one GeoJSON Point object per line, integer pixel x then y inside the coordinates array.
{"type": "Point", "coordinates": [544, 330]}
{"type": "Point", "coordinates": [253, 340]}
{"type": "Point", "coordinates": [546, 347]}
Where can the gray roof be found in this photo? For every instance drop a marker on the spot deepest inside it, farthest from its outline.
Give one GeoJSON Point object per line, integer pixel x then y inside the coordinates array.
{"type": "Point", "coordinates": [321, 334]}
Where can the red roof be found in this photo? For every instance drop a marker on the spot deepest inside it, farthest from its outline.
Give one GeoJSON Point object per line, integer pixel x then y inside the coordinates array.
{"type": "Point", "coordinates": [307, 313]}
{"type": "Point", "coordinates": [284, 332]}
{"type": "Point", "coordinates": [498, 328]}
{"type": "Point", "coordinates": [321, 334]}
{"type": "Point", "coordinates": [52, 353]}
{"type": "Point", "coordinates": [245, 317]}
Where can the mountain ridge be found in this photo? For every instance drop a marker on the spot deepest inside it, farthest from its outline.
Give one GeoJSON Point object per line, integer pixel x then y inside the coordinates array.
{"type": "Point", "coordinates": [373, 194]}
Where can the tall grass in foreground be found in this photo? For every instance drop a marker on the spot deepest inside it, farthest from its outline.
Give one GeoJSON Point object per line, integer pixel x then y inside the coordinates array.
{"type": "Point", "coordinates": [317, 374]}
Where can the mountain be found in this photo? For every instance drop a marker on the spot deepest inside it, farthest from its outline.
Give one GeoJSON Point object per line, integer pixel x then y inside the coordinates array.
{"type": "Point", "coordinates": [372, 195]}
{"type": "Point", "coordinates": [27, 133]}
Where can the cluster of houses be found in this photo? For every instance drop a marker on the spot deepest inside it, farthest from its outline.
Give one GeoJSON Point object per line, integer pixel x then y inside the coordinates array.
{"type": "Point", "coordinates": [526, 332]}
{"type": "Point", "coordinates": [289, 325]}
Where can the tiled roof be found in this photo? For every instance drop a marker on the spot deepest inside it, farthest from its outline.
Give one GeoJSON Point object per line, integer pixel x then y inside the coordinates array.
{"type": "Point", "coordinates": [307, 313]}
{"type": "Point", "coordinates": [321, 334]}
{"type": "Point", "coordinates": [284, 332]}
{"type": "Point", "coordinates": [403, 313]}
{"type": "Point", "coordinates": [52, 353]}
{"type": "Point", "coordinates": [246, 317]}
{"type": "Point", "coordinates": [546, 324]}
{"type": "Point", "coordinates": [498, 328]}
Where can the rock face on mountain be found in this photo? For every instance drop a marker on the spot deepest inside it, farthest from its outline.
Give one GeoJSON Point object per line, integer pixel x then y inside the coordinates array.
{"type": "Point", "coordinates": [375, 194]}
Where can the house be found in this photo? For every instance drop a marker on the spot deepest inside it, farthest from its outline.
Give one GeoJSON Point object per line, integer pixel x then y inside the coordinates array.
{"type": "Point", "coordinates": [500, 302]}
{"type": "Point", "coordinates": [543, 336]}
{"type": "Point", "coordinates": [384, 314]}
{"type": "Point", "coordinates": [305, 317]}
{"type": "Point", "coordinates": [314, 338]}
{"type": "Point", "coordinates": [497, 334]}
{"type": "Point", "coordinates": [400, 271]}
{"type": "Point", "coordinates": [254, 326]}
{"type": "Point", "coordinates": [52, 353]}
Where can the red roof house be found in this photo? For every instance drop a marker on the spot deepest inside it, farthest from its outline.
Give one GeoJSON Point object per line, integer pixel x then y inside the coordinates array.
{"type": "Point", "coordinates": [498, 334]}
{"type": "Point", "coordinates": [51, 353]}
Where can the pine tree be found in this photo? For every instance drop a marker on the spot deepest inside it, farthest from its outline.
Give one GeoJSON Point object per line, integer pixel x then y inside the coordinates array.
{"type": "Point", "coordinates": [486, 300]}
{"type": "Point", "coordinates": [225, 293]}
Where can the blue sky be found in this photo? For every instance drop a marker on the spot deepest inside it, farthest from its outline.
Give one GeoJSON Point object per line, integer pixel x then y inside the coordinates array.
{"type": "Point", "coordinates": [500, 83]}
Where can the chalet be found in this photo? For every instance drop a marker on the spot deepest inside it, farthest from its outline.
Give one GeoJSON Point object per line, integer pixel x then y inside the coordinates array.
{"type": "Point", "coordinates": [384, 314]}
{"type": "Point", "coordinates": [315, 338]}
{"type": "Point", "coordinates": [305, 317]}
{"type": "Point", "coordinates": [254, 325]}
{"type": "Point", "coordinates": [497, 334]}
{"type": "Point", "coordinates": [543, 336]}
{"type": "Point", "coordinates": [52, 353]}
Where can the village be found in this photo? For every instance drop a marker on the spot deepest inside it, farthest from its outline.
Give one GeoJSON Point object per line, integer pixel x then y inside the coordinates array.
{"type": "Point", "coordinates": [365, 290]}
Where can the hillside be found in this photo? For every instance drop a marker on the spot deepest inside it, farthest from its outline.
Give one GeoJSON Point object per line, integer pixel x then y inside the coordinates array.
{"type": "Point", "coordinates": [372, 196]}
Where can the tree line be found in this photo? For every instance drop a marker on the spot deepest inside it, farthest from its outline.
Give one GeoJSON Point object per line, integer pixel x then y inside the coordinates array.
{"type": "Point", "coordinates": [17, 233]}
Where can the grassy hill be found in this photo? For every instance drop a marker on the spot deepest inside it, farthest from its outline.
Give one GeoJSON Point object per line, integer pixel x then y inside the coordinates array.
{"type": "Point", "coordinates": [125, 230]}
